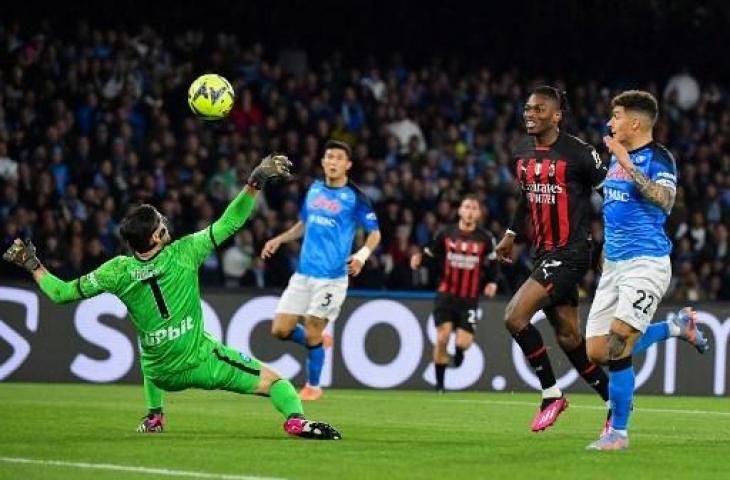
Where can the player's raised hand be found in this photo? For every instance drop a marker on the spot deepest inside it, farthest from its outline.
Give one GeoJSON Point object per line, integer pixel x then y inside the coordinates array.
{"type": "Point", "coordinates": [619, 151]}
{"type": "Point", "coordinates": [354, 266]}
{"type": "Point", "coordinates": [270, 248]}
{"type": "Point", "coordinates": [503, 250]}
{"type": "Point", "coordinates": [272, 168]}
{"type": "Point", "coordinates": [22, 254]}
{"type": "Point", "coordinates": [490, 290]}
{"type": "Point", "coordinates": [416, 259]}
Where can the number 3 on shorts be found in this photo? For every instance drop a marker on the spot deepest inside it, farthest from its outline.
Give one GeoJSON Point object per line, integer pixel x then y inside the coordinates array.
{"type": "Point", "coordinates": [327, 299]}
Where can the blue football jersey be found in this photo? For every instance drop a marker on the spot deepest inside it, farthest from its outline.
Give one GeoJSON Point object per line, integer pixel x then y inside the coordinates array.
{"type": "Point", "coordinates": [634, 227]}
{"type": "Point", "coordinates": [330, 216]}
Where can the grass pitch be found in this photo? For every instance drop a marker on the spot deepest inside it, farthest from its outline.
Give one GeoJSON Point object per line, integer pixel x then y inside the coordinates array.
{"type": "Point", "coordinates": [84, 431]}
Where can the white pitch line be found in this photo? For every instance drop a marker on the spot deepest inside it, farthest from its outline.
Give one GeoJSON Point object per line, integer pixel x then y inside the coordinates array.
{"type": "Point", "coordinates": [532, 404]}
{"type": "Point", "coordinates": [132, 469]}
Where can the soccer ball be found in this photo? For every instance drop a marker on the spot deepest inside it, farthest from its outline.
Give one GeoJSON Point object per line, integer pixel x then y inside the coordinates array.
{"type": "Point", "coordinates": [210, 97]}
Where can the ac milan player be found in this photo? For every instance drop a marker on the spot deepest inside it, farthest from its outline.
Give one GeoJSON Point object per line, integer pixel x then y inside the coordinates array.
{"type": "Point", "coordinates": [462, 253]}
{"type": "Point", "coordinates": [557, 173]}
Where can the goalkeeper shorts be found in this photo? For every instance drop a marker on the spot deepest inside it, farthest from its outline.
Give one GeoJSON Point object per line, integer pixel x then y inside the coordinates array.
{"type": "Point", "coordinates": [225, 369]}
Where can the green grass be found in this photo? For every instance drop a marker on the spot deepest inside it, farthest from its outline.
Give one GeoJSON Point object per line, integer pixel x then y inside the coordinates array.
{"type": "Point", "coordinates": [387, 435]}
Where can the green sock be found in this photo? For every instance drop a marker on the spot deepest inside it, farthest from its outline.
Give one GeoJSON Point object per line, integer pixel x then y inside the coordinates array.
{"type": "Point", "coordinates": [152, 395]}
{"type": "Point", "coordinates": [285, 398]}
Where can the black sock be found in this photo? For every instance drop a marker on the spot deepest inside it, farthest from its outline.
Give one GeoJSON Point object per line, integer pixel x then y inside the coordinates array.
{"type": "Point", "coordinates": [440, 372]}
{"type": "Point", "coordinates": [458, 357]}
{"type": "Point", "coordinates": [591, 373]}
{"type": "Point", "coordinates": [530, 341]}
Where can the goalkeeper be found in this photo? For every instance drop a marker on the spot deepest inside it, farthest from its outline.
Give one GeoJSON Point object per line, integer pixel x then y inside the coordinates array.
{"type": "Point", "coordinates": [159, 286]}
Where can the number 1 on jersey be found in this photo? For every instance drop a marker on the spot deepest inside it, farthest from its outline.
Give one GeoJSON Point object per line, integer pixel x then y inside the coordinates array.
{"type": "Point", "coordinates": [159, 299]}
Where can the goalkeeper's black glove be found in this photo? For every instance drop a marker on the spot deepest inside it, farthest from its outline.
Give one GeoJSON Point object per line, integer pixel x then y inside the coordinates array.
{"type": "Point", "coordinates": [272, 167]}
{"type": "Point", "coordinates": [22, 254]}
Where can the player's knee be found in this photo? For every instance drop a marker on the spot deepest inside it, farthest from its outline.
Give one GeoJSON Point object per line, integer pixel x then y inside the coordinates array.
{"type": "Point", "coordinates": [569, 341]}
{"type": "Point", "coordinates": [616, 344]}
{"type": "Point", "coordinates": [513, 320]}
{"type": "Point", "coordinates": [280, 331]}
{"type": "Point", "coordinates": [464, 344]}
{"type": "Point", "coordinates": [597, 352]}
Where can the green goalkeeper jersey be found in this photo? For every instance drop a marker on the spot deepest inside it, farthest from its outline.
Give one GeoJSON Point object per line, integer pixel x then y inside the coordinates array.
{"type": "Point", "coordinates": [162, 294]}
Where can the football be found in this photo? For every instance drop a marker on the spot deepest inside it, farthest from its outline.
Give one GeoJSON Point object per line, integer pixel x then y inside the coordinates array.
{"type": "Point", "coordinates": [210, 96]}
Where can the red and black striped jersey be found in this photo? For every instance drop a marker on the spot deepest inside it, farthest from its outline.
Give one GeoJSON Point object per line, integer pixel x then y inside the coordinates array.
{"type": "Point", "coordinates": [463, 258]}
{"type": "Point", "coordinates": [556, 182]}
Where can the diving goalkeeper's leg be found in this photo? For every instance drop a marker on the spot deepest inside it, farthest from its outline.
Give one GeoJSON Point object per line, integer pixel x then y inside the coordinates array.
{"type": "Point", "coordinates": [154, 421]}
{"type": "Point", "coordinates": [234, 371]}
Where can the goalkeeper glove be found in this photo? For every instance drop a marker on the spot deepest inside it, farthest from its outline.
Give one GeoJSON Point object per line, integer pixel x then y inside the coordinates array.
{"type": "Point", "coordinates": [272, 167]}
{"type": "Point", "coordinates": [22, 254]}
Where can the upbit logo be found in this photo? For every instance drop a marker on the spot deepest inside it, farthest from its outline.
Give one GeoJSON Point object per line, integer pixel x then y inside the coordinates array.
{"type": "Point", "coordinates": [170, 333]}
{"type": "Point", "coordinates": [19, 345]}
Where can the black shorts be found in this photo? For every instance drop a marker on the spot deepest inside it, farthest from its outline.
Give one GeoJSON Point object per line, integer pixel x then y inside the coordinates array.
{"type": "Point", "coordinates": [463, 314]}
{"type": "Point", "coordinates": [560, 271]}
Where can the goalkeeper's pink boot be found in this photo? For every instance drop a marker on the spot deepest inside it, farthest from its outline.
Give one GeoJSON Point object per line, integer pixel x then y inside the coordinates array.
{"type": "Point", "coordinates": [152, 423]}
{"type": "Point", "coordinates": [300, 427]}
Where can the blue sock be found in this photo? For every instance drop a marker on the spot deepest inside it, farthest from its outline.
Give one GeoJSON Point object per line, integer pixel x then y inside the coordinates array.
{"type": "Point", "coordinates": [315, 361]}
{"type": "Point", "coordinates": [298, 335]}
{"type": "Point", "coordinates": [657, 332]}
{"type": "Point", "coordinates": [620, 391]}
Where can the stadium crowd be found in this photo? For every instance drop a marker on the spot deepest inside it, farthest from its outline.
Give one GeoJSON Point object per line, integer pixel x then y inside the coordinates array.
{"type": "Point", "coordinates": [93, 123]}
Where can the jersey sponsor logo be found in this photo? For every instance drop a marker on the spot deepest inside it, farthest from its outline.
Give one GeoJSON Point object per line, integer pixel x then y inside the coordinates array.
{"type": "Point", "coordinates": [639, 159]}
{"type": "Point", "coordinates": [616, 172]}
{"type": "Point", "coordinates": [616, 195]}
{"type": "Point", "coordinates": [462, 261]}
{"type": "Point", "coordinates": [542, 188]}
{"type": "Point", "coordinates": [167, 334]}
{"type": "Point", "coordinates": [323, 203]}
{"type": "Point", "coordinates": [322, 220]}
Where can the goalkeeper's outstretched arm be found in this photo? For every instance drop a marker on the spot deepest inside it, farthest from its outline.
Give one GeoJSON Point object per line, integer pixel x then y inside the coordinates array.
{"type": "Point", "coordinates": [273, 167]}
{"type": "Point", "coordinates": [22, 253]}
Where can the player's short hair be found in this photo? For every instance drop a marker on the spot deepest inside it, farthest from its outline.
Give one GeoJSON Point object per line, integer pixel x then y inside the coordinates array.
{"type": "Point", "coordinates": [471, 197]}
{"type": "Point", "coordinates": [638, 101]}
{"type": "Point", "coordinates": [339, 145]}
{"type": "Point", "coordinates": [559, 96]}
{"type": "Point", "coordinates": [138, 226]}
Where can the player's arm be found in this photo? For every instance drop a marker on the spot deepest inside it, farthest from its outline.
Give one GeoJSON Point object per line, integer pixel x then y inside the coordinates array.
{"type": "Point", "coordinates": [200, 244]}
{"type": "Point", "coordinates": [596, 168]}
{"type": "Point", "coordinates": [234, 216]}
{"type": "Point", "coordinates": [433, 251]}
{"type": "Point", "coordinates": [503, 250]}
{"type": "Point", "coordinates": [657, 193]}
{"type": "Point", "coordinates": [365, 216]}
{"type": "Point", "coordinates": [491, 269]}
{"type": "Point", "coordinates": [358, 259]}
{"type": "Point", "coordinates": [23, 254]}
{"type": "Point", "coordinates": [293, 233]}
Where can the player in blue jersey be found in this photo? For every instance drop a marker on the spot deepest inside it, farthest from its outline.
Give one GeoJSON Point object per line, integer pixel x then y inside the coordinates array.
{"type": "Point", "coordinates": [639, 192]}
{"type": "Point", "coordinates": [331, 211]}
